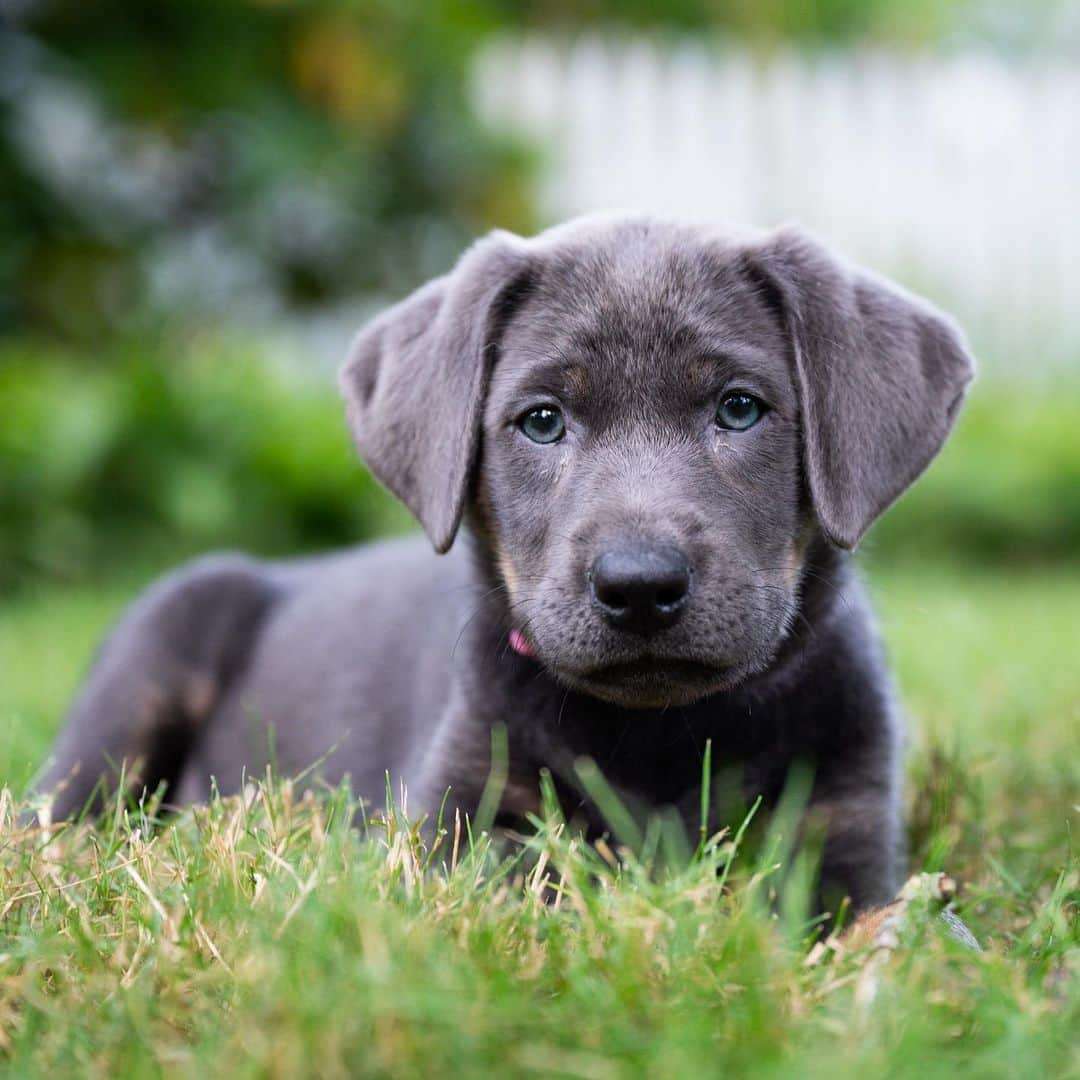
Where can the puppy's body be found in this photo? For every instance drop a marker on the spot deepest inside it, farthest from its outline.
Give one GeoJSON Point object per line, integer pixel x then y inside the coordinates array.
{"type": "Point", "coordinates": [645, 571]}
{"type": "Point", "coordinates": [392, 659]}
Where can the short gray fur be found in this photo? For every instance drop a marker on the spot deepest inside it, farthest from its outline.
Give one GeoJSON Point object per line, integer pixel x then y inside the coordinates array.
{"type": "Point", "coordinates": [391, 657]}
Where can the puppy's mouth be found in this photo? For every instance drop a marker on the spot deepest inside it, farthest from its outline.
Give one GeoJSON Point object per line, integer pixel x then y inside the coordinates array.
{"type": "Point", "coordinates": [653, 681]}
{"type": "Point", "coordinates": [650, 670]}
{"type": "Point", "coordinates": [643, 681]}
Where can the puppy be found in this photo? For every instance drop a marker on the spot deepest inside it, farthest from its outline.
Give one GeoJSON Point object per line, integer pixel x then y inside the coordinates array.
{"type": "Point", "coordinates": [663, 441]}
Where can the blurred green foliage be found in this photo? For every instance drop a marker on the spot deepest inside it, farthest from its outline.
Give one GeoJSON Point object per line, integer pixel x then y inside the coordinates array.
{"type": "Point", "coordinates": [166, 453]}
{"type": "Point", "coordinates": [203, 149]}
{"type": "Point", "coordinates": [1006, 488]}
{"type": "Point", "coordinates": [203, 445]}
{"type": "Point", "coordinates": [219, 155]}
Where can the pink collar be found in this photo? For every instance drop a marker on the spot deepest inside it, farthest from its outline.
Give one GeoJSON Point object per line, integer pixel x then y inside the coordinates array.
{"type": "Point", "coordinates": [520, 644]}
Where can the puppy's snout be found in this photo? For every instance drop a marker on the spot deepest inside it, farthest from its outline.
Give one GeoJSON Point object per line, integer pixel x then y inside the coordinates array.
{"type": "Point", "coordinates": [642, 589]}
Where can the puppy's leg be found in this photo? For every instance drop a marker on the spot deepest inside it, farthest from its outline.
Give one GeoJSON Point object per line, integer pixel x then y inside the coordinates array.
{"type": "Point", "coordinates": [861, 858]}
{"type": "Point", "coordinates": [157, 678]}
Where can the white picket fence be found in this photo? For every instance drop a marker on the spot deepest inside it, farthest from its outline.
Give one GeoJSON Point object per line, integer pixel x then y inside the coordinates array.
{"type": "Point", "coordinates": [958, 174]}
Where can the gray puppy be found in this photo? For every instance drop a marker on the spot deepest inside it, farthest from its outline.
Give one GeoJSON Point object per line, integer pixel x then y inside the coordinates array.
{"type": "Point", "coordinates": [663, 439]}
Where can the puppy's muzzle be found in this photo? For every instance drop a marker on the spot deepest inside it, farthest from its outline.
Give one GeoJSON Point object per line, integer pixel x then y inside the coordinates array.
{"type": "Point", "coordinates": [642, 588]}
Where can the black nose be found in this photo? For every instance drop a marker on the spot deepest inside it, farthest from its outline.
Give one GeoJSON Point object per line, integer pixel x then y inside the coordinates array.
{"type": "Point", "coordinates": [641, 589]}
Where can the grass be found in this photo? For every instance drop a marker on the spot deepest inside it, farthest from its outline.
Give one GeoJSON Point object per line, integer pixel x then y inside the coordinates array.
{"type": "Point", "coordinates": [265, 937]}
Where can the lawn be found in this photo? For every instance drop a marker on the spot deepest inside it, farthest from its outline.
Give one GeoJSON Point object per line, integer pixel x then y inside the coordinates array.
{"type": "Point", "coordinates": [265, 937]}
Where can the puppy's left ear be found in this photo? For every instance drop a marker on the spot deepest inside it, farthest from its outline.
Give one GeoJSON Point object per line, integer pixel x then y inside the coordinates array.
{"type": "Point", "coordinates": [416, 378]}
{"type": "Point", "coordinates": [881, 375]}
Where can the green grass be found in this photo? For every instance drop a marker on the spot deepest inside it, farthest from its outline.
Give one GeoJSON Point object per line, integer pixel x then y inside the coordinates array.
{"type": "Point", "coordinates": [266, 937]}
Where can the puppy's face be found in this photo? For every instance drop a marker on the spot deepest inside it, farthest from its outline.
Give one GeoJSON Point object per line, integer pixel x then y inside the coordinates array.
{"type": "Point", "coordinates": [657, 420]}
{"type": "Point", "coordinates": [640, 470]}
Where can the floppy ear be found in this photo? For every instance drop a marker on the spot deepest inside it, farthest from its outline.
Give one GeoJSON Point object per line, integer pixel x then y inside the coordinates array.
{"type": "Point", "coordinates": [415, 380]}
{"type": "Point", "coordinates": [880, 374]}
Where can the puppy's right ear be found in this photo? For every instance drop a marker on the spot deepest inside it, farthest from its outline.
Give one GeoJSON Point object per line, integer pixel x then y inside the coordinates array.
{"type": "Point", "coordinates": [416, 378]}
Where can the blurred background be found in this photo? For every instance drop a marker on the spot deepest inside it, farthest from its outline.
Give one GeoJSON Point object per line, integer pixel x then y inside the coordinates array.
{"type": "Point", "coordinates": [203, 199]}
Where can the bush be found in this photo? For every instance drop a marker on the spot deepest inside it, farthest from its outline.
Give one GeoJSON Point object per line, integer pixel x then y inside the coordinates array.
{"type": "Point", "coordinates": [1006, 488]}
{"type": "Point", "coordinates": [223, 154]}
{"type": "Point", "coordinates": [102, 463]}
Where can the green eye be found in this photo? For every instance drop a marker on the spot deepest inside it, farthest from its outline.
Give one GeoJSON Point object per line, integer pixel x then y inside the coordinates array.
{"type": "Point", "coordinates": [543, 425]}
{"type": "Point", "coordinates": [737, 412]}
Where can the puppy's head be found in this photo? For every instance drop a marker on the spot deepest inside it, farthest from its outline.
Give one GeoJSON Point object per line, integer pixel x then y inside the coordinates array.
{"type": "Point", "coordinates": [655, 421]}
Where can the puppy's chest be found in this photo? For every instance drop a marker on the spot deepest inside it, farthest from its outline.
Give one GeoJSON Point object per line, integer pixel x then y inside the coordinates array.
{"type": "Point", "coordinates": [734, 786]}
{"type": "Point", "coordinates": [650, 760]}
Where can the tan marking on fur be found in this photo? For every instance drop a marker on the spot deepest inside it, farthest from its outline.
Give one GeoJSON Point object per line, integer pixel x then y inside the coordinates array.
{"type": "Point", "coordinates": [150, 701]}
{"type": "Point", "coordinates": [576, 381]}
{"type": "Point", "coordinates": [521, 798]}
{"type": "Point", "coordinates": [793, 561]}
{"type": "Point", "coordinates": [486, 523]}
{"type": "Point", "coordinates": [868, 925]}
{"type": "Point", "coordinates": [200, 693]}
{"type": "Point", "coordinates": [506, 570]}
{"type": "Point", "coordinates": [482, 508]}
{"type": "Point", "coordinates": [840, 816]}
{"type": "Point", "coordinates": [701, 374]}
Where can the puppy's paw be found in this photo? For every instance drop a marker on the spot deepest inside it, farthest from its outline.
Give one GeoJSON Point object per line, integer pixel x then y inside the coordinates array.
{"type": "Point", "coordinates": [879, 928]}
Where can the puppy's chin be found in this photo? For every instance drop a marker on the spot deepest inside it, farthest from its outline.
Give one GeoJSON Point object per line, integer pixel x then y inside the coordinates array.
{"type": "Point", "coordinates": [654, 684]}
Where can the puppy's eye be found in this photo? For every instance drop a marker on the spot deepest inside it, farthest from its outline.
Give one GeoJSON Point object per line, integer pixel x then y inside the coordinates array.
{"type": "Point", "coordinates": [737, 412]}
{"type": "Point", "coordinates": [543, 425]}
